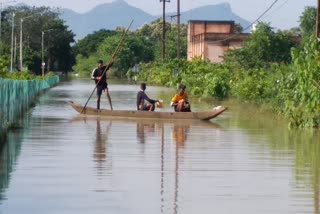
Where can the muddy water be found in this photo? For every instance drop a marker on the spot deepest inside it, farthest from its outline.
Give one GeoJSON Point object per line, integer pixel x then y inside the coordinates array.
{"type": "Point", "coordinates": [244, 161]}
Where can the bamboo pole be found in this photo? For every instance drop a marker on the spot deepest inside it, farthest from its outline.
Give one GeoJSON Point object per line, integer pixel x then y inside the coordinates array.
{"type": "Point", "coordinates": [110, 61]}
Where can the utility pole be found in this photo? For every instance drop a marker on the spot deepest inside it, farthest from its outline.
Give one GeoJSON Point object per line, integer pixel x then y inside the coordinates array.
{"type": "Point", "coordinates": [43, 64]}
{"type": "Point", "coordinates": [42, 57]}
{"type": "Point", "coordinates": [163, 49]}
{"type": "Point", "coordinates": [317, 19]}
{"type": "Point", "coordinates": [12, 40]}
{"type": "Point", "coordinates": [178, 28]}
{"type": "Point", "coordinates": [20, 51]}
{"type": "Point", "coordinates": [15, 51]}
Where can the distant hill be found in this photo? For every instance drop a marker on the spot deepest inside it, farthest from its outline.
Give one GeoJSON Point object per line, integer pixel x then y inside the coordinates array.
{"type": "Point", "coordinates": [219, 12]}
{"type": "Point", "coordinates": [119, 14]}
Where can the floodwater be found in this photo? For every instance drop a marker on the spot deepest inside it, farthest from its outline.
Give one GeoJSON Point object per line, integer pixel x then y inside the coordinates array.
{"type": "Point", "coordinates": [244, 161]}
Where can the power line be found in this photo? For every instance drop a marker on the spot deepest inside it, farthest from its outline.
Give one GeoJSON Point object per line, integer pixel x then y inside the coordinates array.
{"type": "Point", "coordinates": [267, 10]}
{"type": "Point", "coordinates": [276, 9]}
{"type": "Point", "coordinates": [256, 20]}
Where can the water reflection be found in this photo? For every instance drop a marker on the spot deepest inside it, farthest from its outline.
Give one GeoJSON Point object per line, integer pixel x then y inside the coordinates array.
{"type": "Point", "coordinates": [307, 158]}
{"type": "Point", "coordinates": [179, 134]}
{"type": "Point", "coordinates": [148, 131]}
{"type": "Point", "coordinates": [252, 163]}
{"type": "Point", "coordinates": [143, 128]}
{"type": "Point", "coordinates": [10, 149]}
{"type": "Point", "coordinates": [302, 145]}
{"type": "Point", "coordinates": [100, 148]}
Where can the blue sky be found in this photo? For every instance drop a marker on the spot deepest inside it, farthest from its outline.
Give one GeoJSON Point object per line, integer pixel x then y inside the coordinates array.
{"type": "Point", "coordinates": [284, 15]}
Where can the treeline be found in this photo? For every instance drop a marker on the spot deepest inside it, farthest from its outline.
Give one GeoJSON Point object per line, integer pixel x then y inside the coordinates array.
{"type": "Point", "coordinates": [40, 34]}
{"type": "Point", "coordinates": [140, 46]}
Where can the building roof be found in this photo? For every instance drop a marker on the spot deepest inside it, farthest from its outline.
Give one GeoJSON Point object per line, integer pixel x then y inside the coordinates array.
{"type": "Point", "coordinates": [212, 21]}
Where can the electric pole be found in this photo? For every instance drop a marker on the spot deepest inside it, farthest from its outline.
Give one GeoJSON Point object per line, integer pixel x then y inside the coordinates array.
{"type": "Point", "coordinates": [163, 49]}
{"type": "Point", "coordinates": [20, 52]}
{"type": "Point", "coordinates": [178, 28]}
{"type": "Point", "coordinates": [12, 42]}
{"type": "Point", "coordinates": [317, 19]}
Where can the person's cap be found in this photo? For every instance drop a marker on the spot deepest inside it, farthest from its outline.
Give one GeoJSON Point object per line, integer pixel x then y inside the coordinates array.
{"type": "Point", "coordinates": [182, 87]}
{"type": "Point", "coordinates": [100, 61]}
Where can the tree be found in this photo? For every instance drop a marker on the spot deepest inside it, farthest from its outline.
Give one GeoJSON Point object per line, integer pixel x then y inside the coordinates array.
{"type": "Point", "coordinates": [171, 41]}
{"type": "Point", "coordinates": [91, 42]}
{"type": "Point", "coordinates": [262, 48]}
{"type": "Point", "coordinates": [153, 32]}
{"type": "Point", "coordinates": [140, 46]}
{"type": "Point", "coordinates": [238, 28]}
{"type": "Point", "coordinates": [134, 50]}
{"type": "Point", "coordinates": [57, 41]}
{"type": "Point", "coordinates": [308, 21]}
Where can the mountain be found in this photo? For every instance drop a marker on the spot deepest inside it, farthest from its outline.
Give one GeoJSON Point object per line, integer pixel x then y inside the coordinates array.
{"type": "Point", "coordinates": [120, 14]}
{"type": "Point", "coordinates": [219, 12]}
{"type": "Point", "coordinates": [105, 16]}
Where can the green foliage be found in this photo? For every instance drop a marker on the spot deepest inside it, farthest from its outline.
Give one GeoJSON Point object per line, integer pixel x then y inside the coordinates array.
{"type": "Point", "coordinates": [56, 38]}
{"type": "Point", "coordinates": [258, 85]}
{"type": "Point", "coordinates": [171, 41]}
{"type": "Point", "coordinates": [263, 72]}
{"type": "Point", "coordinates": [158, 73]}
{"type": "Point", "coordinates": [133, 50]}
{"type": "Point", "coordinates": [91, 42]}
{"type": "Point", "coordinates": [260, 67]}
{"type": "Point", "coordinates": [303, 103]}
{"type": "Point", "coordinates": [22, 75]}
{"type": "Point", "coordinates": [202, 77]}
{"type": "Point", "coordinates": [4, 63]}
{"type": "Point", "coordinates": [85, 65]}
{"type": "Point", "coordinates": [249, 84]}
{"type": "Point", "coordinates": [293, 90]}
{"type": "Point", "coordinates": [238, 28]}
{"type": "Point", "coordinates": [308, 21]}
{"type": "Point", "coordinates": [140, 46]}
{"type": "Point", "coordinates": [261, 49]}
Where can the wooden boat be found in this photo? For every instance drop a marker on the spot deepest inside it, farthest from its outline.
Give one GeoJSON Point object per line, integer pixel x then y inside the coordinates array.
{"type": "Point", "coordinates": [205, 115]}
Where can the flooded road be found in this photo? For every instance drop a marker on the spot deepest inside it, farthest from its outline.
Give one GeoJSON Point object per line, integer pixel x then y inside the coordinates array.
{"type": "Point", "coordinates": [243, 161]}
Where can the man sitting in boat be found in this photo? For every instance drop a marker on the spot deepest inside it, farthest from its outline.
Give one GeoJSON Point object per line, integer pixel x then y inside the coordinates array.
{"type": "Point", "coordinates": [180, 100]}
{"type": "Point", "coordinates": [141, 97]}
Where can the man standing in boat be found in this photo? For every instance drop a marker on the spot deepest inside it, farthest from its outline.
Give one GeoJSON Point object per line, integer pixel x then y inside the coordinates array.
{"type": "Point", "coordinates": [99, 75]}
{"type": "Point", "coordinates": [180, 100]}
{"type": "Point", "coordinates": [141, 97]}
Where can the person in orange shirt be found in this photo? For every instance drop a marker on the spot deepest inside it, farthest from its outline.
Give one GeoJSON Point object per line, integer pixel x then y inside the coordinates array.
{"type": "Point", "coordinates": [180, 100]}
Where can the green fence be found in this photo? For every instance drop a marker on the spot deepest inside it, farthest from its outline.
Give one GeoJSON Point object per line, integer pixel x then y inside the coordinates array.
{"type": "Point", "coordinates": [17, 95]}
